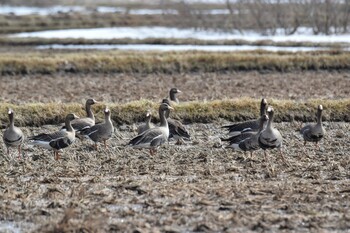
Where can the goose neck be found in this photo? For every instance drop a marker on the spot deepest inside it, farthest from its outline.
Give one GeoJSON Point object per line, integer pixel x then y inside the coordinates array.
{"type": "Point", "coordinates": [12, 124]}
{"type": "Point", "coordinates": [69, 125]}
{"type": "Point", "coordinates": [163, 121]}
{"type": "Point", "coordinates": [89, 112]}
{"type": "Point", "coordinates": [319, 117]}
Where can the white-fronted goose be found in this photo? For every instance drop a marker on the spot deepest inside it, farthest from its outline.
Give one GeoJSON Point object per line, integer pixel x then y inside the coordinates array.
{"type": "Point", "coordinates": [236, 129]}
{"type": "Point", "coordinates": [248, 141]}
{"type": "Point", "coordinates": [152, 138]}
{"type": "Point", "coordinates": [147, 125]}
{"type": "Point", "coordinates": [172, 95]}
{"type": "Point", "coordinates": [13, 136]}
{"type": "Point", "coordinates": [85, 122]}
{"type": "Point", "coordinates": [176, 129]}
{"type": "Point", "coordinates": [100, 132]}
{"type": "Point", "coordinates": [57, 140]}
{"type": "Point", "coordinates": [314, 132]}
{"type": "Point", "coordinates": [270, 137]}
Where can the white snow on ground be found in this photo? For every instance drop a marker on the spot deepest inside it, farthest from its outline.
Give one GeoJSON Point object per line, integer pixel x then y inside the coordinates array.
{"type": "Point", "coordinates": [28, 10]}
{"type": "Point", "coordinates": [303, 34]}
{"type": "Point", "coordinates": [209, 48]}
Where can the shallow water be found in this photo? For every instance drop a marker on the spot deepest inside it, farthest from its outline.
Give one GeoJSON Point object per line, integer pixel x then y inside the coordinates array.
{"type": "Point", "coordinates": [164, 48]}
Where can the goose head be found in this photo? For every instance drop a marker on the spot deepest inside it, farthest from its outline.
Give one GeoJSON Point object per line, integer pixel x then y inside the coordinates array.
{"type": "Point", "coordinates": [71, 116]}
{"type": "Point", "coordinates": [174, 90]}
{"type": "Point", "coordinates": [165, 107]}
{"type": "Point", "coordinates": [148, 113]}
{"type": "Point", "coordinates": [107, 112]}
{"type": "Point", "coordinates": [10, 112]}
{"type": "Point", "coordinates": [91, 102]}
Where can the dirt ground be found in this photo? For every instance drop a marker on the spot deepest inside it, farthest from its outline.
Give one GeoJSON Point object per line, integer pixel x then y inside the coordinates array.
{"type": "Point", "coordinates": [198, 187]}
{"type": "Point", "coordinates": [207, 86]}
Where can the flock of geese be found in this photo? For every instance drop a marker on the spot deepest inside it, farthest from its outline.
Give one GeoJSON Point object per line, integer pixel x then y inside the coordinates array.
{"type": "Point", "coordinates": [246, 136]}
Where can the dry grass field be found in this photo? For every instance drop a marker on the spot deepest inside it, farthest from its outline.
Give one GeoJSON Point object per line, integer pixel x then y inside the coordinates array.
{"type": "Point", "coordinates": [198, 187]}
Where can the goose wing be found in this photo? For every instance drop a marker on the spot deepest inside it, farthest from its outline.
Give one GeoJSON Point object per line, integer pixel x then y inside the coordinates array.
{"type": "Point", "coordinates": [81, 124]}
{"type": "Point", "coordinates": [177, 128]}
{"type": "Point", "coordinates": [153, 137]}
{"type": "Point", "coordinates": [253, 125]}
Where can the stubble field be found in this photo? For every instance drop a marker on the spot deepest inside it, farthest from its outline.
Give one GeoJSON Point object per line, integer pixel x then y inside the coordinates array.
{"type": "Point", "coordinates": [196, 187]}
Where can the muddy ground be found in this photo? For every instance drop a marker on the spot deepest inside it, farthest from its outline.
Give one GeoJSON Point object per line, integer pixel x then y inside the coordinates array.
{"type": "Point", "coordinates": [206, 86]}
{"type": "Point", "coordinates": [190, 188]}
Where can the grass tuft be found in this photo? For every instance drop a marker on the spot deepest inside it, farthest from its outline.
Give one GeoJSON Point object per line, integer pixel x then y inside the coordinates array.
{"type": "Point", "coordinates": [46, 62]}
{"type": "Point", "coordinates": [190, 112]}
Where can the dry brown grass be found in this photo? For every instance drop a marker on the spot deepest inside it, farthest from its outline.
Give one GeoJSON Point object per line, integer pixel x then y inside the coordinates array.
{"type": "Point", "coordinates": [32, 114]}
{"type": "Point", "coordinates": [10, 41]}
{"type": "Point", "coordinates": [48, 62]}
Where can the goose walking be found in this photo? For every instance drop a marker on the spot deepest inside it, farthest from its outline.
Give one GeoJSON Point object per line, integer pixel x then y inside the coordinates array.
{"type": "Point", "coordinates": [85, 122]}
{"type": "Point", "coordinates": [57, 140]}
{"type": "Point", "coordinates": [147, 125]}
{"type": "Point", "coordinates": [172, 95]}
{"type": "Point", "coordinates": [13, 136]}
{"type": "Point", "coordinates": [152, 138]}
{"type": "Point", "coordinates": [100, 132]}
{"type": "Point", "coordinates": [314, 132]}
{"type": "Point", "coordinates": [254, 125]}
{"type": "Point", "coordinates": [249, 140]}
{"type": "Point", "coordinates": [176, 129]}
{"type": "Point", "coordinates": [270, 137]}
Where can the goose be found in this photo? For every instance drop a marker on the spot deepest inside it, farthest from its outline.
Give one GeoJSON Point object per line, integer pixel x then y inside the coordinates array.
{"type": "Point", "coordinates": [13, 136]}
{"type": "Point", "coordinates": [147, 125]}
{"type": "Point", "coordinates": [172, 95]}
{"type": "Point", "coordinates": [100, 132]}
{"type": "Point", "coordinates": [57, 140]}
{"type": "Point", "coordinates": [270, 137]}
{"type": "Point", "coordinates": [248, 140]}
{"type": "Point", "coordinates": [314, 132]}
{"type": "Point", "coordinates": [152, 138]}
{"type": "Point", "coordinates": [86, 122]}
{"type": "Point", "coordinates": [176, 129]}
{"type": "Point", "coordinates": [254, 125]}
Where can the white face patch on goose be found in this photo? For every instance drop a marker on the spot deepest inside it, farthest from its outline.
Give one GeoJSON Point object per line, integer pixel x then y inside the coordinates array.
{"type": "Point", "coordinates": [10, 111]}
{"type": "Point", "coordinates": [106, 110]}
{"type": "Point", "coordinates": [269, 109]}
{"type": "Point", "coordinates": [320, 107]}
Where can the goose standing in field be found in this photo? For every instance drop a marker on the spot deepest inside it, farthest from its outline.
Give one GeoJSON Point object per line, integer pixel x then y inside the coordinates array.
{"type": "Point", "coordinates": [270, 137]}
{"type": "Point", "coordinates": [172, 95]}
{"type": "Point", "coordinates": [254, 125]}
{"type": "Point", "coordinates": [314, 132]}
{"type": "Point", "coordinates": [249, 140]}
{"type": "Point", "coordinates": [147, 125]}
{"type": "Point", "coordinates": [152, 138]}
{"type": "Point", "coordinates": [100, 132]}
{"type": "Point", "coordinates": [13, 136]}
{"type": "Point", "coordinates": [86, 122]}
{"type": "Point", "coordinates": [176, 129]}
{"type": "Point", "coordinates": [57, 140]}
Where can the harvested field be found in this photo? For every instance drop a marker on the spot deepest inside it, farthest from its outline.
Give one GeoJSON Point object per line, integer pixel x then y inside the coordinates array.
{"type": "Point", "coordinates": [189, 188]}
{"type": "Point", "coordinates": [124, 88]}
